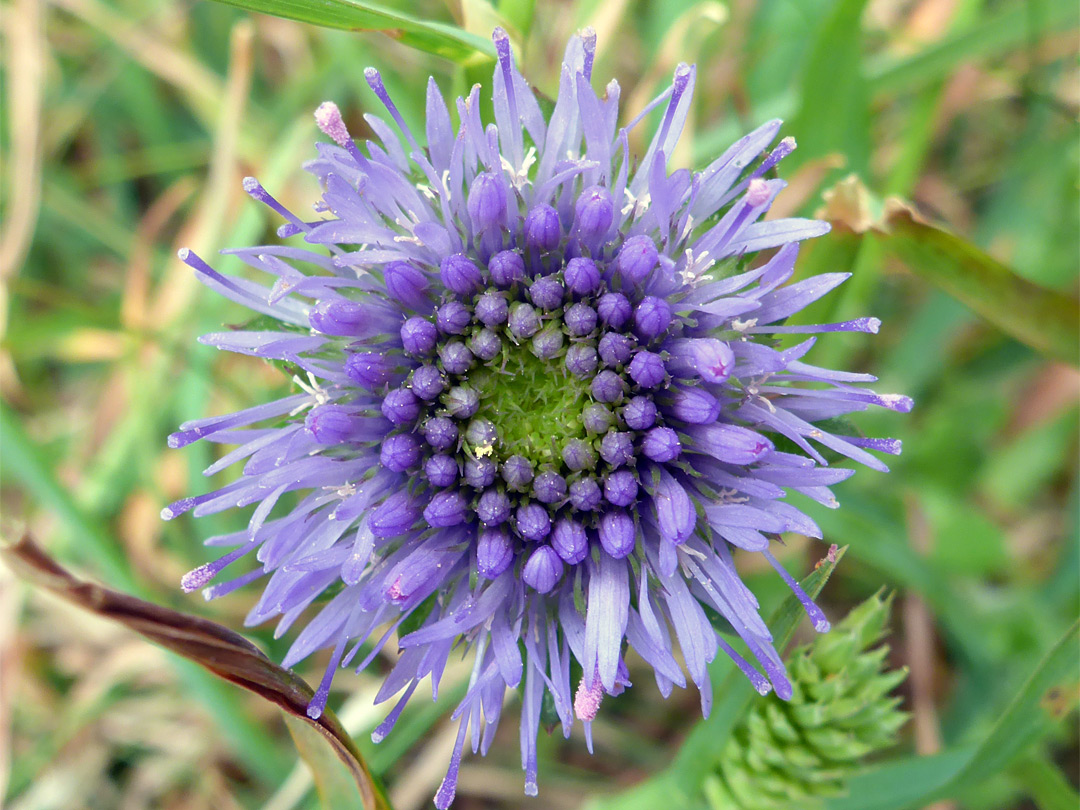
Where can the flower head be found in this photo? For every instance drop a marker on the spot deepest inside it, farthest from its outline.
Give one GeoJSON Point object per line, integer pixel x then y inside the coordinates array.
{"type": "Point", "coordinates": [541, 391]}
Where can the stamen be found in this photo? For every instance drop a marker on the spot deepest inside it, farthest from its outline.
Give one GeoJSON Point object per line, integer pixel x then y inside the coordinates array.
{"type": "Point", "coordinates": [328, 117]}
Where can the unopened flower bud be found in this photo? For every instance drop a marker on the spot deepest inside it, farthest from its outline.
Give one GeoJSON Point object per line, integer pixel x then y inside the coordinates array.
{"type": "Point", "coordinates": [505, 268]}
{"type": "Point", "coordinates": [542, 231]}
{"type": "Point", "coordinates": [617, 533]}
{"type": "Point", "coordinates": [400, 452]}
{"type": "Point", "coordinates": [486, 203]}
{"type": "Point", "coordinates": [407, 284]}
{"type": "Point", "coordinates": [614, 309]}
{"type": "Point", "coordinates": [460, 275]}
{"type": "Point", "coordinates": [582, 276]}
{"type": "Point", "coordinates": [542, 570]}
{"type": "Point", "coordinates": [636, 259]}
{"type": "Point", "coordinates": [494, 552]}
{"type": "Point", "coordinates": [418, 336]}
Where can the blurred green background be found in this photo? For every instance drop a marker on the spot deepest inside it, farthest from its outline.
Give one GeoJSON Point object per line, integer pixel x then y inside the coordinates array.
{"type": "Point", "coordinates": [128, 125]}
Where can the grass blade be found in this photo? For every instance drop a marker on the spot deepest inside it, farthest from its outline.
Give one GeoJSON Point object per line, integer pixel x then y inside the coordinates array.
{"type": "Point", "coordinates": [441, 39]}
{"type": "Point", "coordinates": [1047, 321]}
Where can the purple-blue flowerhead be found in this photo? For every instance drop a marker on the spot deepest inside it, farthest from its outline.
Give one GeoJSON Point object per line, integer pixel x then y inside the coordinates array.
{"type": "Point", "coordinates": [541, 398]}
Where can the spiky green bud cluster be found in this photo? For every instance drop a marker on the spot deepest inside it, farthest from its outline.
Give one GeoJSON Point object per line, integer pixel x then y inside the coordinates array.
{"type": "Point", "coordinates": [788, 755]}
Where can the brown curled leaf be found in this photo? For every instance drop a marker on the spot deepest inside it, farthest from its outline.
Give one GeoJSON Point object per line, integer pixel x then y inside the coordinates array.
{"type": "Point", "coordinates": [216, 648]}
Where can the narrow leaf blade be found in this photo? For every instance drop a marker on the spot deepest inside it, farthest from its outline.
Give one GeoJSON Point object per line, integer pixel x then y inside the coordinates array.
{"type": "Point", "coordinates": [441, 39]}
{"type": "Point", "coordinates": [1045, 320]}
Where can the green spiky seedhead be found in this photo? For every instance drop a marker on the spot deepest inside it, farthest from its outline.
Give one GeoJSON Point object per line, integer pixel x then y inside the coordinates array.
{"type": "Point", "coordinates": [791, 755]}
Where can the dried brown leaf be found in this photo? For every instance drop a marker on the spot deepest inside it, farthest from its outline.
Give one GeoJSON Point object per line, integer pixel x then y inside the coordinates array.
{"type": "Point", "coordinates": [216, 648]}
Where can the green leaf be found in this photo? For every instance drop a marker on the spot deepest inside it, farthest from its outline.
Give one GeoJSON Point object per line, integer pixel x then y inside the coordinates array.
{"type": "Point", "coordinates": [834, 113]}
{"type": "Point", "coordinates": [994, 34]}
{"type": "Point", "coordinates": [1047, 321]}
{"type": "Point", "coordinates": [1048, 786]}
{"type": "Point", "coordinates": [441, 39]}
{"type": "Point", "coordinates": [334, 782]}
{"type": "Point", "coordinates": [680, 784]}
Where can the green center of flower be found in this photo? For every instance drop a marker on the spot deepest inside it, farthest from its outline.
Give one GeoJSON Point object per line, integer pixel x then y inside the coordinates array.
{"type": "Point", "coordinates": [535, 405]}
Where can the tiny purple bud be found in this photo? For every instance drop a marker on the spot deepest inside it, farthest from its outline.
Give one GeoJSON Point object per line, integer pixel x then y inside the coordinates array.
{"type": "Point", "coordinates": [524, 322]}
{"type": "Point", "coordinates": [427, 382]}
{"type": "Point", "coordinates": [614, 309]}
{"type": "Point", "coordinates": [617, 534]}
{"type": "Point", "coordinates": [639, 413]}
{"type": "Point", "coordinates": [585, 495]}
{"type": "Point", "coordinates": [460, 275]}
{"type": "Point", "coordinates": [462, 402]}
{"type": "Point", "coordinates": [593, 214]}
{"type": "Point", "coordinates": [542, 231]}
{"type": "Point", "coordinates": [517, 472]}
{"type": "Point", "coordinates": [400, 452]}
{"type": "Point", "coordinates": [400, 406]}
{"type": "Point", "coordinates": [480, 472]}
{"type": "Point", "coordinates": [532, 521]}
{"type": "Point", "coordinates": [695, 406]}
{"type": "Point", "coordinates": [492, 309]}
{"type": "Point", "coordinates": [581, 360]}
{"type": "Point", "coordinates": [547, 343]}
{"type": "Point", "coordinates": [456, 358]}
{"type": "Point", "coordinates": [418, 336]}
{"type": "Point", "coordinates": [453, 318]}
{"type": "Point", "coordinates": [547, 293]}
{"type": "Point", "coordinates": [549, 487]}
{"type": "Point", "coordinates": [440, 432]}
{"type": "Point", "coordinates": [447, 508]}
{"type": "Point", "coordinates": [636, 259]}
{"type": "Point", "coordinates": [615, 349]}
{"type": "Point", "coordinates": [580, 319]}
{"type": "Point", "coordinates": [617, 448]}
{"type": "Point", "coordinates": [494, 553]}
{"type": "Point", "coordinates": [331, 424]}
{"type": "Point", "coordinates": [647, 369]}
{"type": "Point", "coordinates": [542, 570]}
{"type": "Point", "coordinates": [582, 276]}
{"type": "Point", "coordinates": [652, 317]}
{"type": "Point", "coordinates": [578, 454]}
{"type": "Point", "coordinates": [338, 316]}
{"type": "Point", "coordinates": [621, 488]}
{"type": "Point", "coordinates": [570, 541]}
{"type": "Point", "coordinates": [487, 202]}
{"type": "Point", "coordinates": [661, 444]}
{"type": "Point", "coordinates": [493, 508]}
{"type": "Point", "coordinates": [441, 470]}
{"type": "Point", "coordinates": [394, 516]}
{"type": "Point", "coordinates": [607, 386]}
{"type": "Point", "coordinates": [597, 418]}
{"type": "Point", "coordinates": [369, 369]}
{"type": "Point", "coordinates": [485, 344]}
{"type": "Point", "coordinates": [408, 285]}
{"type": "Point", "coordinates": [506, 267]}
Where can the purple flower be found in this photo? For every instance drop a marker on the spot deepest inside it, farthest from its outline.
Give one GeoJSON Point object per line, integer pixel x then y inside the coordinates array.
{"type": "Point", "coordinates": [454, 441]}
